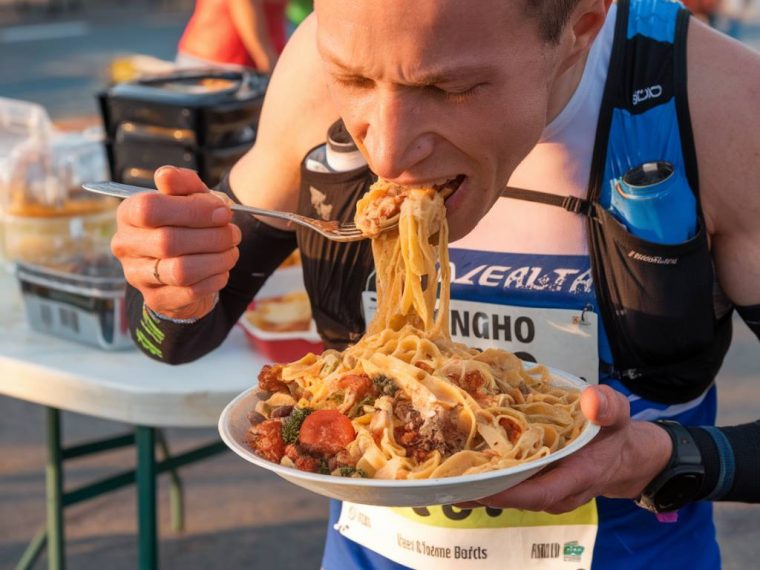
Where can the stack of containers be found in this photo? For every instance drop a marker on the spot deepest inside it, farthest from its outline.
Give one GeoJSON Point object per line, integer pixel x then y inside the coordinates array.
{"type": "Point", "coordinates": [55, 236]}
{"type": "Point", "coordinates": [204, 120]}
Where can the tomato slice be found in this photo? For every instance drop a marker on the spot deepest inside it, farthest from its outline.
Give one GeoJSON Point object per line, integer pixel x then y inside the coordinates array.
{"type": "Point", "coordinates": [326, 432]}
{"type": "Point", "coordinates": [359, 384]}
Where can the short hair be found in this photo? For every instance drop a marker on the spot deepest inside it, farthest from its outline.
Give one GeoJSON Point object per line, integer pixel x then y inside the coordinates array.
{"type": "Point", "coordinates": [552, 15]}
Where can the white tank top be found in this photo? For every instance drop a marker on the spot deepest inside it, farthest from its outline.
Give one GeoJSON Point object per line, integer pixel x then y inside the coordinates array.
{"type": "Point", "coordinates": [559, 164]}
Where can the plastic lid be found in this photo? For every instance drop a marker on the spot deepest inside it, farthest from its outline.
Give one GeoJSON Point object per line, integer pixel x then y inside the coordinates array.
{"type": "Point", "coordinates": [339, 139]}
{"type": "Point", "coordinates": [193, 87]}
{"type": "Point", "coordinates": [341, 152]}
{"type": "Point", "coordinates": [648, 174]}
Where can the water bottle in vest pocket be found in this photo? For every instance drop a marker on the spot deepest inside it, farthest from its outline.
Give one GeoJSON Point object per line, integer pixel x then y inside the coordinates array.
{"type": "Point", "coordinates": [334, 176]}
{"type": "Point", "coordinates": [654, 202]}
{"type": "Point", "coordinates": [651, 256]}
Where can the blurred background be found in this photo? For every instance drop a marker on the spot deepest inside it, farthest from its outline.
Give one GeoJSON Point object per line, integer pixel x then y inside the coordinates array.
{"type": "Point", "coordinates": [60, 53]}
{"type": "Point", "coordinates": [60, 57]}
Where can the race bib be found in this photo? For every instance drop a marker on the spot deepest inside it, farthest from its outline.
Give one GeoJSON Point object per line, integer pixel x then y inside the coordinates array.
{"type": "Point", "coordinates": [565, 339]}
{"type": "Point", "coordinates": [442, 537]}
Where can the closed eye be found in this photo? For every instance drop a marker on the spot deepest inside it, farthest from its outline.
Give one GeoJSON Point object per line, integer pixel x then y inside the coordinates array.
{"type": "Point", "coordinates": [354, 81]}
{"type": "Point", "coordinates": [455, 95]}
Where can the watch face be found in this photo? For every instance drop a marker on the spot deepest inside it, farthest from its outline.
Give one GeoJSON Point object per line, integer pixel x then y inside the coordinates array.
{"type": "Point", "coordinates": [678, 491]}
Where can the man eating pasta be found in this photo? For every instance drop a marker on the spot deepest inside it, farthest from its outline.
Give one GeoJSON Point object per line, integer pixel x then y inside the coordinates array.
{"type": "Point", "coordinates": [548, 127]}
{"type": "Point", "coordinates": [405, 401]}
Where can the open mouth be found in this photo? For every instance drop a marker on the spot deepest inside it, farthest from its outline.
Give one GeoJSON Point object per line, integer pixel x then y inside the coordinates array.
{"type": "Point", "coordinates": [448, 187]}
{"type": "Point", "coordinates": [381, 206]}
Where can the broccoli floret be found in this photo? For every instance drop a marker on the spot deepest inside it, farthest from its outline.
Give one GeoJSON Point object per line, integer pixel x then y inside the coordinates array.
{"type": "Point", "coordinates": [291, 426]}
{"type": "Point", "coordinates": [349, 471]}
{"type": "Point", "coordinates": [323, 467]}
{"type": "Point", "coordinates": [359, 406]}
{"type": "Point", "coordinates": [386, 386]}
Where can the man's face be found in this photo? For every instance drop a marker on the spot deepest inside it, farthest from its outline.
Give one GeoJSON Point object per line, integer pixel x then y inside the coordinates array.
{"type": "Point", "coordinates": [437, 90]}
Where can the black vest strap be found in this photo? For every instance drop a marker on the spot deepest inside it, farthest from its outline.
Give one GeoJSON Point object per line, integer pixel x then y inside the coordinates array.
{"type": "Point", "coordinates": [569, 203]}
{"type": "Point", "coordinates": [682, 102]}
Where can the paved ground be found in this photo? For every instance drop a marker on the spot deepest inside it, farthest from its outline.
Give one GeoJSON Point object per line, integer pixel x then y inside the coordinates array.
{"type": "Point", "coordinates": [237, 516]}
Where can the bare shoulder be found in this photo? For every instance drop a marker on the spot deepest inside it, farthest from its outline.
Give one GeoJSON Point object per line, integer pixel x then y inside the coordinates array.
{"type": "Point", "coordinates": [295, 117]}
{"type": "Point", "coordinates": [724, 91]}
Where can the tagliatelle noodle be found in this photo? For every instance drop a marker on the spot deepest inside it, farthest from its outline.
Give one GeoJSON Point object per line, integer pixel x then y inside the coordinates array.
{"type": "Point", "coordinates": [510, 415]}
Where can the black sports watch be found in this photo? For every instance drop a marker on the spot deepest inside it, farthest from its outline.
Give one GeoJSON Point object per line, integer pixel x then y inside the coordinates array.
{"type": "Point", "coordinates": [679, 483]}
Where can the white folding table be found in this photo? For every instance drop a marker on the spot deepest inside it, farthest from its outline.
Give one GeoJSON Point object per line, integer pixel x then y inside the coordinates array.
{"type": "Point", "coordinates": [121, 386]}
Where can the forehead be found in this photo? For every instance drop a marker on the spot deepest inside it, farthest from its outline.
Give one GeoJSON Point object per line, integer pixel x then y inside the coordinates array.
{"type": "Point", "coordinates": [378, 35]}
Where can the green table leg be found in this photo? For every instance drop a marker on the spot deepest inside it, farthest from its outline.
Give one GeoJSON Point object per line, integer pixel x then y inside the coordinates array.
{"type": "Point", "coordinates": [145, 438]}
{"type": "Point", "coordinates": [33, 551]}
{"type": "Point", "coordinates": [54, 492]}
{"type": "Point", "coordinates": [145, 475]}
{"type": "Point", "coordinates": [176, 495]}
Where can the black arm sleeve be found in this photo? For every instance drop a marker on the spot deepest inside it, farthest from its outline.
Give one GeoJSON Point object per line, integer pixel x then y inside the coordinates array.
{"type": "Point", "coordinates": [262, 249]}
{"type": "Point", "coordinates": [744, 443]}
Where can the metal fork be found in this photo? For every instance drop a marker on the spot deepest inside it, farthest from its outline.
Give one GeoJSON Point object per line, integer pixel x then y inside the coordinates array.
{"type": "Point", "coordinates": [331, 229]}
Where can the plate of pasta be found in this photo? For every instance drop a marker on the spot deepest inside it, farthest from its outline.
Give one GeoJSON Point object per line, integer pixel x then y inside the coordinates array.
{"type": "Point", "coordinates": [406, 416]}
{"type": "Point", "coordinates": [235, 426]}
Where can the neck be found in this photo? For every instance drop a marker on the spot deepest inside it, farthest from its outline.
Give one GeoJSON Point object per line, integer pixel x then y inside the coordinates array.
{"type": "Point", "coordinates": [564, 87]}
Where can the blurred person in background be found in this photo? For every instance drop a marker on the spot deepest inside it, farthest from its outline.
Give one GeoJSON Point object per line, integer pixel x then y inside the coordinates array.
{"type": "Point", "coordinates": [728, 16]}
{"type": "Point", "coordinates": [296, 12]}
{"type": "Point", "coordinates": [246, 34]}
{"type": "Point", "coordinates": [733, 16]}
{"type": "Point", "coordinates": [705, 10]}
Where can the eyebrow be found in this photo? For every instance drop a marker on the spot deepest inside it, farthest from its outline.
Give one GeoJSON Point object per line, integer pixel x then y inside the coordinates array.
{"type": "Point", "coordinates": [442, 74]}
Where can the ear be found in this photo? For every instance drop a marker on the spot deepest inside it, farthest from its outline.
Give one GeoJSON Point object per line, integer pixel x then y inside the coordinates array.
{"type": "Point", "coordinates": [582, 27]}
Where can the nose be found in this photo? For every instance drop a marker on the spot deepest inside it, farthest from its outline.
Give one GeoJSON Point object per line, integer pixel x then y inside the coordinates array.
{"type": "Point", "coordinates": [395, 135]}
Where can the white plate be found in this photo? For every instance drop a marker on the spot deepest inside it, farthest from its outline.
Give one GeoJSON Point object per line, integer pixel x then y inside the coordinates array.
{"type": "Point", "coordinates": [233, 426]}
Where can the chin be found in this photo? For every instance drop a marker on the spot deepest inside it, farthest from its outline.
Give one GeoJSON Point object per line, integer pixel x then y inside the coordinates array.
{"type": "Point", "coordinates": [465, 208]}
{"type": "Point", "coordinates": [460, 224]}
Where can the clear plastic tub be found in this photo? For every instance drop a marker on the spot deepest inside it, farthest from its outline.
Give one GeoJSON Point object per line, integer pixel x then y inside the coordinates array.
{"type": "Point", "coordinates": [81, 300]}
{"type": "Point", "coordinates": [51, 240]}
{"type": "Point", "coordinates": [46, 216]}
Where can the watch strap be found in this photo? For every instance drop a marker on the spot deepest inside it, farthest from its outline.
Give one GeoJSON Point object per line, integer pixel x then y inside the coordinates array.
{"type": "Point", "coordinates": [685, 460]}
{"type": "Point", "coordinates": [685, 449]}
